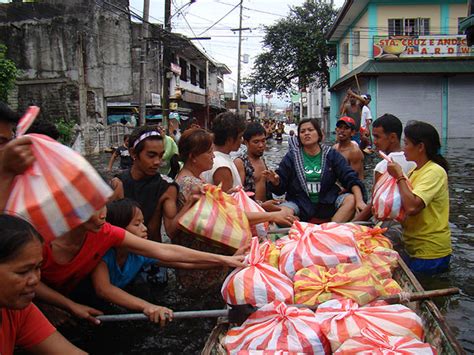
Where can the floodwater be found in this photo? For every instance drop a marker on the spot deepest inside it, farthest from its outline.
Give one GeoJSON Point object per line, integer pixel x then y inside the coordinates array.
{"type": "Point", "coordinates": [188, 336]}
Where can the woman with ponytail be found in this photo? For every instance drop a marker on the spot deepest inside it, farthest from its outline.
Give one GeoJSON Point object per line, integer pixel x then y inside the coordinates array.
{"type": "Point", "coordinates": [426, 232]}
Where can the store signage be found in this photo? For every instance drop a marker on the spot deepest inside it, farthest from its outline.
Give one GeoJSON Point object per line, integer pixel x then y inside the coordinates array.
{"type": "Point", "coordinates": [175, 68]}
{"type": "Point", "coordinates": [155, 99]}
{"type": "Point", "coordinates": [421, 47]}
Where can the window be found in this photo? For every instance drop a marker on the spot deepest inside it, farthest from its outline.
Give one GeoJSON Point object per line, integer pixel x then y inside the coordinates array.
{"type": "Point", "coordinates": [409, 27]}
{"type": "Point", "coordinates": [459, 21]}
{"type": "Point", "coordinates": [356, 43]}
{"type": "Point", "coordinates": [193, 75]}
{"type": "Point", "coordinates": [345, 53]}
{"type": "Point", "coordinates": [202, 79]}
{"type": "Point", "coordinates": [184, 69]}
{"type": "Point", "coordinates": [395, 27]}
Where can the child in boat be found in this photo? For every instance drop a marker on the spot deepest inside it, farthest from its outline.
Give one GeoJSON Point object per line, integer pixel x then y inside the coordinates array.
{"type": "Point", "coordinates": [119, 266]}
{"type": "Point", "coordinates": [71, 258]}
{"type": "Point", "coordinates": [426, 232]}
{"type": "Point", "coordinates": [21, 323]}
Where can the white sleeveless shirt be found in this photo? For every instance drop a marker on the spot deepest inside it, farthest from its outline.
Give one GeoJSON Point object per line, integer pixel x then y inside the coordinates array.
{"type": "Point", "coordinates": [222, 160]}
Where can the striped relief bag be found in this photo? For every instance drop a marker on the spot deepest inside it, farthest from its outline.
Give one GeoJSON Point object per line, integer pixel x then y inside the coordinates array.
{"type": "Point", "coordinates": [60, 191]}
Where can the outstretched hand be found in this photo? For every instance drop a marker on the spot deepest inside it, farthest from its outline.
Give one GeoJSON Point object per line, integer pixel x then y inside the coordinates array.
{"type": "Point", "coordinates": [158, 314]}
{"type": "Point", "coordinates": [85, 312]}
{"type": "Point", "coordinates": [271, 176]}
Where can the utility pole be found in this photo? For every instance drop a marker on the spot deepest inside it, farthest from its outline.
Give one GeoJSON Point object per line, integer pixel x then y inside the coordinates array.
{"type": "Point", "coordinates": [146, 12]}
{"type": "Point", "coordinates": [165, 97]}
{"type": "Point", "coordinates": [239, 63]}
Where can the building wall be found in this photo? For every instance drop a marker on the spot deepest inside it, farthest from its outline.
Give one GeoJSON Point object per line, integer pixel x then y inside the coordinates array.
{"type": "Point", "coordinates": [362, 25]}
{"type": "Point", "coordinates": [344, 68]}
{"type": "Point", "coordinates": [385, 12]}
{"type": "Point", "coordinates": [456, 11]}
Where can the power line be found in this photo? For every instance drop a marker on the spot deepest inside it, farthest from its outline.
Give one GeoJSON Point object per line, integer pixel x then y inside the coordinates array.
{"type": "Point", "coordinates": [215, 23]}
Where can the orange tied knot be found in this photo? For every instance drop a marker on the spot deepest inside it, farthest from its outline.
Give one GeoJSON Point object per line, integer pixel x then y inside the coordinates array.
{"type": "Point", "coordinates": [331, 279]}
{"type": "Point", "coordinates": [370, 232]}
{"type": "Point", "coordinates": [365, 247]}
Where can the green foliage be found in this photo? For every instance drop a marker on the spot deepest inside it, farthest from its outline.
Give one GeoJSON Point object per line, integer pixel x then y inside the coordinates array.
{"type": "Point", "coordinates": [296, 52]}
{"type": "Point", "coordinates": [66, 130]}
{"type": "Point", "coordinates": [8, 74]}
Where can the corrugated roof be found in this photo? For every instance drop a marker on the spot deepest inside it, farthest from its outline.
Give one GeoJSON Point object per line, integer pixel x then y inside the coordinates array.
{"type": "Point", "coordinates": [376, 67]}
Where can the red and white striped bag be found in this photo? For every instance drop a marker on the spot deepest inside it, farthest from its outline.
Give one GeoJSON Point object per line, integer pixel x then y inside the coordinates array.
{"type": "Point", "coordinates": [373, 342]}
{"type": "Point", "coordinates": [278, 327]}
{"type": "Point", "coordinates": [327, 245]}
{"type": "Point", "coordinates": [248, 205]}
{"type": "Point", "coordinates": [60, 191]}
{"type": "Point", "coordinates": [341, 320]}
{"type": "Point", "coordinates": [258, 283]}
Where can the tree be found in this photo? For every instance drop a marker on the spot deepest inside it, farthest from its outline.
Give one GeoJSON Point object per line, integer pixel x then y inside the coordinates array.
{"type": "Point", "coordinates": [8, 74]}
{"type": "Point", "coordinates": [295, 50]}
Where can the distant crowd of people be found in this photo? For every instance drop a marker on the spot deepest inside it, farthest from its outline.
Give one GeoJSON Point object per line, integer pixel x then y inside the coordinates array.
{"type": "Point", "coordinates": [161, 177]}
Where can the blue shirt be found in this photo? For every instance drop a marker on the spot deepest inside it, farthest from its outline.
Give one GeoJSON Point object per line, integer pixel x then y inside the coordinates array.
{"type": "Point", "coordinates": [121, 277]}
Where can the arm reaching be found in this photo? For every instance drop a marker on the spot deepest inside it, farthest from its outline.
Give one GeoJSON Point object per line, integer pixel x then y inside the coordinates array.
{"type": "Point", "coordinates": [177, 253]}
{"type": "Point", "coordinates": [54, 298]}
{"type": "Point", "coordinates": [113, 294]}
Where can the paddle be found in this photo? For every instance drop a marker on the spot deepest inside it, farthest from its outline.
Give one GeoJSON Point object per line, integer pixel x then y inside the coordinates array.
{"type": "Point", "coordinates": [239, 313]}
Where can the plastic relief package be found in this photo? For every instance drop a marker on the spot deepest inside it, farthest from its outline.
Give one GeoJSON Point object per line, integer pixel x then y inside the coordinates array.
{"type": "Point", "coordinates": [278, 327]}
{"type": "Point", "coordinates": [248, 205]}
{"type": "Point", "coordinates": [317, 284]}
{"type": "Point", "coordinates": [60, 191]}
{"type": "Point", "coordinates": [258, 283]}
{"type": "Point", "coordinates": [328, 245]}
{"type": "Point", "coordinates": [341, 320]}
{"type": "Point", "coordinates": [217, 217]}
{"type": "Point", "coordinates": [271, 253]}
{"type": "Point", "coordinates": [373, 342]}
{"type": "Point", "coordinates": [371, 237]}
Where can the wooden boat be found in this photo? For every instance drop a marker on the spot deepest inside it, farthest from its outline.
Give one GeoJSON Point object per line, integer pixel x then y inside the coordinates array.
{"type": "Point", "coordinates": [437, 331]}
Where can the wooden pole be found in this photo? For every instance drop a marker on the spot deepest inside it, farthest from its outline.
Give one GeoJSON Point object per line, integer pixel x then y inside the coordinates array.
{"type": "Point", "coordinates": [144, 39]}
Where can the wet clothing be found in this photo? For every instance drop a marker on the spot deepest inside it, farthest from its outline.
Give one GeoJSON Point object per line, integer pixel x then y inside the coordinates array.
{"type": "Point", "coordinates": [428, 266]}
{"type": "Point", "coordinates": [24, 328]}
{"type": "Point", "coordinates": [293, 181]}
{"type": "Point", "coordinates": [146, 192]}
{"type": "Point", "coordinates": [222, 160]}
{"type": "Point", "coordinates": [249, 183]}
{"type": "Point", "coordinates": [427, 235]}
{"type": "Point", "coordinates": [125, 158]}
{"type": "Point", "coordinates": [65, 277]}
{"type": "Point", "coordinates": [122, 276]}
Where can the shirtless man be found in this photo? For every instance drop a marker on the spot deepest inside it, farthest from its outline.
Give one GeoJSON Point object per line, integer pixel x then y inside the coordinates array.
{"type": "Point", "coordinates": [251, 164]}
{"type": "Point", "coordinates": [352, 107]}
{"type": "Point", "coordinates": [144, 184]}
{"type": "Point", "coordinates": [345, 129]}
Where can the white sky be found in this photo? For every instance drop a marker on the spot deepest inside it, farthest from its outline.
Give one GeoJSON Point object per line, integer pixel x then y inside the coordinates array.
{"type": "Point", "coordinates": [223, 46]}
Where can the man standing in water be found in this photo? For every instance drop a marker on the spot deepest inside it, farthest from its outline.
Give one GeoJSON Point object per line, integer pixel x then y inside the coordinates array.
{"type": "Point", "coordinates": [352, 107]}
{"type": "Point", "coordinates": [345, 129]}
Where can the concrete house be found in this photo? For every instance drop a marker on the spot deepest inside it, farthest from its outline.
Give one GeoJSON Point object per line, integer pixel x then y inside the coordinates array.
{"type": "Point", "coordinates": [410, 57]}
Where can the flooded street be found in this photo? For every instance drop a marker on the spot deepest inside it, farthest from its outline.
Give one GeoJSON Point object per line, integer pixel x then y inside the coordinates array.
{"type": "Point", "coordinates": [189, 336]}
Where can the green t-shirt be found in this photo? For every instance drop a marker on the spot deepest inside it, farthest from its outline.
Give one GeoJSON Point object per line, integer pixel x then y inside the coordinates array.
{"type": "Point", "coordinates": [312, 170]}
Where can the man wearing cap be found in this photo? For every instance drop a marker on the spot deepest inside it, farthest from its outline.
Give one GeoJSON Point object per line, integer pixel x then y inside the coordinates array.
{"type": "Point", "coordinates": [345, 130]}
{"type": "Point", "coordinates": [15, 155]}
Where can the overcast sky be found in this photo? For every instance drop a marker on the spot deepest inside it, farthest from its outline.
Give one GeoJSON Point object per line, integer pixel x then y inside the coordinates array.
{"type": "Point", "coordinates": [195, 19]}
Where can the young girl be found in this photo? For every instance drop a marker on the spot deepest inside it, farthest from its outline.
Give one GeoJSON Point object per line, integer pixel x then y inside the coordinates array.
{"type": "Point", "coordinates": [72, 257]}
{"type": "Point", "coordinates": [426, 232]}
{"type": "Point", "coordinates": [119, 266]}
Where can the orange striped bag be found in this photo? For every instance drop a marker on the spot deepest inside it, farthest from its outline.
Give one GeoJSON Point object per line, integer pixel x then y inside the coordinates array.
{"type": "Point", "coordinates": [374, 342]}
{"type": "Point", "coordinates": [326, 245]}
{"type": "Point", "coordinates": [217, 218]}
{"type": "Point", "coordinates": [277, 327]}
{"type": "Point", "coordinates": [381, 260]}
{"type": "Point", "coordinates": [271, 253]}
{"type": "Point", "coordinates": [258, 283]}
{"type": "Point", "coordinates": [248, 205]}
{"type": "Point", "coordinates": [341, 320]}
{"type": "Point", "coordinates": [60, 191]}
{"type": "Point", "coordinates": [317, 284]}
